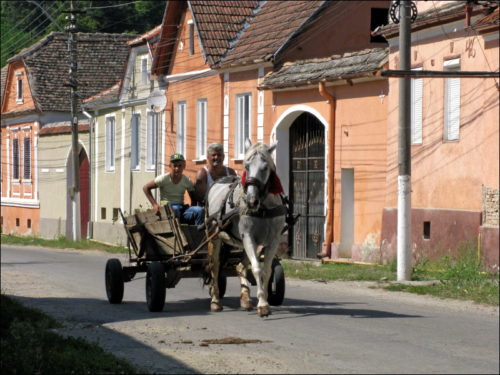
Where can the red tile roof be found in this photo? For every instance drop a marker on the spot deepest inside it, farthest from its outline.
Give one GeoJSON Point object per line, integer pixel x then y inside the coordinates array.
{"type": "Point", "coordinates": [271, 28]}
{"type": "Point", "coordinates": [218, 23]}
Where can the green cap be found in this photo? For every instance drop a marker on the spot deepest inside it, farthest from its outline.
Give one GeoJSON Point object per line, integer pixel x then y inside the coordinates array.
{"type": "Point", "coordinates": [177, 157]}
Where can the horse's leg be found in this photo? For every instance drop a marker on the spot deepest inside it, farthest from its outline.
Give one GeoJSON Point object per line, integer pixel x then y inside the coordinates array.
{"type": "Point", "coordinates": [214, 248]}
{"type": "Point", "coordinates": [251, 251]}
{"type": "Point", "coordinates": [245, 300]}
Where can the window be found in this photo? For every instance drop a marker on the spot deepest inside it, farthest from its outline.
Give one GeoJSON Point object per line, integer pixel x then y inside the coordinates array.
{"type": "Point", "coordinates": [243, 103]}
{"type": "Point", "coordinates": [191, 37]}
{"type": "Point", "coordinates": [15, 159]}
{"type": "Point", "coordinates": [110, 144]}
{"type": "Point", "coordinates": [27, 158]}
{"type": "Point", "coordinates": [103, 213]}
{"type": "Point", "coordinates": [144, 70]}
{"type": "Point", "coordinates": [151, 140]}
{"type": "Point", "coordinates": [135, 128]}
{"type": "Point", "coordinates": [181, 127]}
{"type": "Point", "coordinates": [416, 110]}
{"type": "Point", "coordinates": [452, 102]}
{"type": "Point", "coordinates": [19, 90]}
{"type": "Point", "coordinates": [378, 18]}
{"type": "Point", "coordinates": [201, 129]}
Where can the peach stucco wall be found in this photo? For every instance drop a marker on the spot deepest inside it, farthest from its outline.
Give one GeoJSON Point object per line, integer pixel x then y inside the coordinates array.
{"type": "Point", "coordinates": [449, 175]}
{"type": "Point", "coordinates": [327, 35]}
{"type": "Point", "coordinates": [360, 133]}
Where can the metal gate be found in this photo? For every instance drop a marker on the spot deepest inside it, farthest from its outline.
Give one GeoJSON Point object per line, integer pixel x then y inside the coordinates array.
{"type": "Point", "coordinates": [307, 180]}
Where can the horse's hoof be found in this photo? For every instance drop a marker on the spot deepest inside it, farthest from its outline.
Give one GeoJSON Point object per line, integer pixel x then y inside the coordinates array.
{"type": "Point", "coordinates": [215, 307]}
{"type": "Point", "coordinates": [246, 305]}
{"type": "Point", "coordinates": [263, 311]}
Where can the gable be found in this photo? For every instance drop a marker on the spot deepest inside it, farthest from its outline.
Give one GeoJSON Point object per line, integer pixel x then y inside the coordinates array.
{"type": "Point", "coordinates": [188, 53]}
{"type": "Point", "coordinates": [13, 100]}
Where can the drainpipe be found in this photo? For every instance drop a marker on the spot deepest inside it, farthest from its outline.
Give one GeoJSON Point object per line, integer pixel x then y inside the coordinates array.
{"type": "Point", "coordinates": [90, 224]}
{"type": "Point", "coordinates": [327, 245]}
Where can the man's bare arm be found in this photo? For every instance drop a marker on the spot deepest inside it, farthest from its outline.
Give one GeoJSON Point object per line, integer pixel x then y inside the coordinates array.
{"type": "Point", "coordinates": [200, 186]}
{"type": "Point", "coordinates": [147, 191]}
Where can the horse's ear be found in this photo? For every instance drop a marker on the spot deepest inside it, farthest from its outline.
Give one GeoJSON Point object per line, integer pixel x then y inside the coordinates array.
{"type": "Point", "coordinates": [272, 147]}
{"type": "Point", "coordinates": [248, 143]}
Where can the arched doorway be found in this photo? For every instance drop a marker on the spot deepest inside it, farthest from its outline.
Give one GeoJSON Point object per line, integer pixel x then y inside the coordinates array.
{"type": "Point", "coordinates": [83, 193]}
{"type": "Point", "coordinates": [307, 180]}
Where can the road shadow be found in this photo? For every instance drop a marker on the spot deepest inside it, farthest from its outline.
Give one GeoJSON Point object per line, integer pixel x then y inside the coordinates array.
{"type": "Point", "coordinates": [77, 319]}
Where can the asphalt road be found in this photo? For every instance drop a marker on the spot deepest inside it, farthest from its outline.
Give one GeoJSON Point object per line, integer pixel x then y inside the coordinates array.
{"type": "Point", "coordinates": [337, 327]}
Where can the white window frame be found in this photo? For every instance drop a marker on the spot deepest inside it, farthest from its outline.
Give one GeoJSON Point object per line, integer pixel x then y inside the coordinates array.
{"type": "Point", "coordinates": [243, 123]}
{"type": "Point", "coordinates": [19, 91]}
{"type": "Point", "coordinates": [201, 128]}
{"type": "Point", "coordinates": [416, 109]}
{"type": "Point", "coordinates": [110, 146]}
{"type": "Point", "coordinates": [181, 127]}
{"type": "Point", "coordinates": [452, 102]}
{"type": "Point", "coordinates": [135, 141]}
{"type": "Point", "coordinates": [144, 70]}
{"type": "Point", "coordinates": [151, 140]}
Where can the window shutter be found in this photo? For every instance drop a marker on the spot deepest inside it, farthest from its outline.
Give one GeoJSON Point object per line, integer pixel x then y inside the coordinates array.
{"type": "Point", "coordinates": [453, 109]}
{"type": "Point", "coordinates": [416, 109]}
{"type": "Point", "coordinates": [27, 158]}
{"type": "Point", "coordinates": [15, 159]}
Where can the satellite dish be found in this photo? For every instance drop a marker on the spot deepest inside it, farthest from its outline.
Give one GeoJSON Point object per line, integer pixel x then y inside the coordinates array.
{"type": "Point", "coordinates": [157, 100]}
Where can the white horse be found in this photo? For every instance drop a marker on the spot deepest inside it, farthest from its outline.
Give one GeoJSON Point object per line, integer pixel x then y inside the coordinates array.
{"type": "Point", "coordinates": [259, 217]}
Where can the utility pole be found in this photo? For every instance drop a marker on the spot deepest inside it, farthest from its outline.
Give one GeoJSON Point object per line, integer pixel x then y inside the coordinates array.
{"type": "Point", "coordinates": [404, 151]}
{"type": "Point", "coordinates": [74, 190]}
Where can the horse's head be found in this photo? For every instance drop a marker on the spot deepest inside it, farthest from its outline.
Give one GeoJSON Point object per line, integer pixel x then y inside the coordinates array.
{"type": "Point", "coordinates": [259, 171]}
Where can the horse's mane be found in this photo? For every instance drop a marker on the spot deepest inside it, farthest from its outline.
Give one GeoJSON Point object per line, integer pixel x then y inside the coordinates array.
{"type": "Point", "coordinates": [262, 149]}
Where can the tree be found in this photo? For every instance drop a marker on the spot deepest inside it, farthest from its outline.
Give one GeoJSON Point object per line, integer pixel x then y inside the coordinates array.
{"type": "Point", "coordinates": [23, 23]}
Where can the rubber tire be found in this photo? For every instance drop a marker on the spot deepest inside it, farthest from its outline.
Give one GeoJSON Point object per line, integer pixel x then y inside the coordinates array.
{"type": "Point", "coordinates": [156, 288]}
{"type": "Point", "coordinates": [222, 286]}
{"type": "Point", "coordinates": [114, 281]}
{"type": "Point", "coordinates": [276, 295]}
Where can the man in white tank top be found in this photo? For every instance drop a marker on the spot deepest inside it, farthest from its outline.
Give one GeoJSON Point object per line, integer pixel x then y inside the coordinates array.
{"type": "Point", "coordinates": [206, 176]}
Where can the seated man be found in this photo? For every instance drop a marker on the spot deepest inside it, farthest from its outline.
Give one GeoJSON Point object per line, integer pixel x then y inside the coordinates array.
{"type": "Point", "coordinates": [216, 169]}
{"type": "Point", "coordinates": [172, 186]}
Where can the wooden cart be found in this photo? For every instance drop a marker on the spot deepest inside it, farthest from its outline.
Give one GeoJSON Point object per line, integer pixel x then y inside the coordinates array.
{"type": "Point", "coordinates": [168, 251]}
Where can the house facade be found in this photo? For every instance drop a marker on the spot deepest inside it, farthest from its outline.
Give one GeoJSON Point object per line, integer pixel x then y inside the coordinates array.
{"type": "Point", "coordinates": [454, 132]}
{"type": "Point", "coordinates": [35, 125]}
{"type": "Point", "coordinates": [228, 92]}
{"type": "Point", "coordinates": [127, 141]}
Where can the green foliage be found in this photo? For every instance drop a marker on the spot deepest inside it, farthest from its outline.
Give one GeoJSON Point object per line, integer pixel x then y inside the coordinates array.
{"type": "Point", "coordinates": [329, 272]}
{"type": "Point", "coordinates": [61, 243]}
{"type": "Point", "coordinates": [23, 23]}
{"type": "Point", "coordinates": [28, 346]}
{"type": "Point", "coordinates": [459, 276]}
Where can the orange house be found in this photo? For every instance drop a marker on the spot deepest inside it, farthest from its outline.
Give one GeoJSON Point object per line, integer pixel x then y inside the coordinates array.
{"type": "Point", "coordinates": [454, 132]}
{"type": "Point", "coordinates": [227, 73]}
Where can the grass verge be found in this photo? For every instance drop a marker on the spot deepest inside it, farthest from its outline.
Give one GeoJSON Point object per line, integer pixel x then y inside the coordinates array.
{"type": "Point", "coordinates": [30, 346]}
{"type": "Point", "coordinates": [459, 276]}
{"type": "Point", "coordinates": [61, 243]}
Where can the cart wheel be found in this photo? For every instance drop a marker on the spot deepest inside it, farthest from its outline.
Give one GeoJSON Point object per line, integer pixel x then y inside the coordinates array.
{"type": "Point", "coordinates": [155, 286]}
{"type": "Point", "coordinates": [276, 287]}
{"type": "Point", "coordinates": [114, 281]}
{"type": "Point", "coordinates": [222, 285]}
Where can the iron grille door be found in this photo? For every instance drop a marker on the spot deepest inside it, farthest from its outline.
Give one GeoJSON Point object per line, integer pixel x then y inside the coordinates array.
{"type": "Point", "coordinates": [307, 180]}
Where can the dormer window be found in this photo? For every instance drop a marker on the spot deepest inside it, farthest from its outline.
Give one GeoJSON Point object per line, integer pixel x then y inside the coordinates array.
{"type": "Point", "coordinates": [191, 37]}
{"type": "Point", "coordinates": [379, 17]}
{"type": "Point", "coordinates": [19, 91]}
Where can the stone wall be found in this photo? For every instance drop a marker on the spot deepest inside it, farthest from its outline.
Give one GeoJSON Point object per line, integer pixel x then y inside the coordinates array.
{"type": "Point", "coordinates": [490, 207]}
